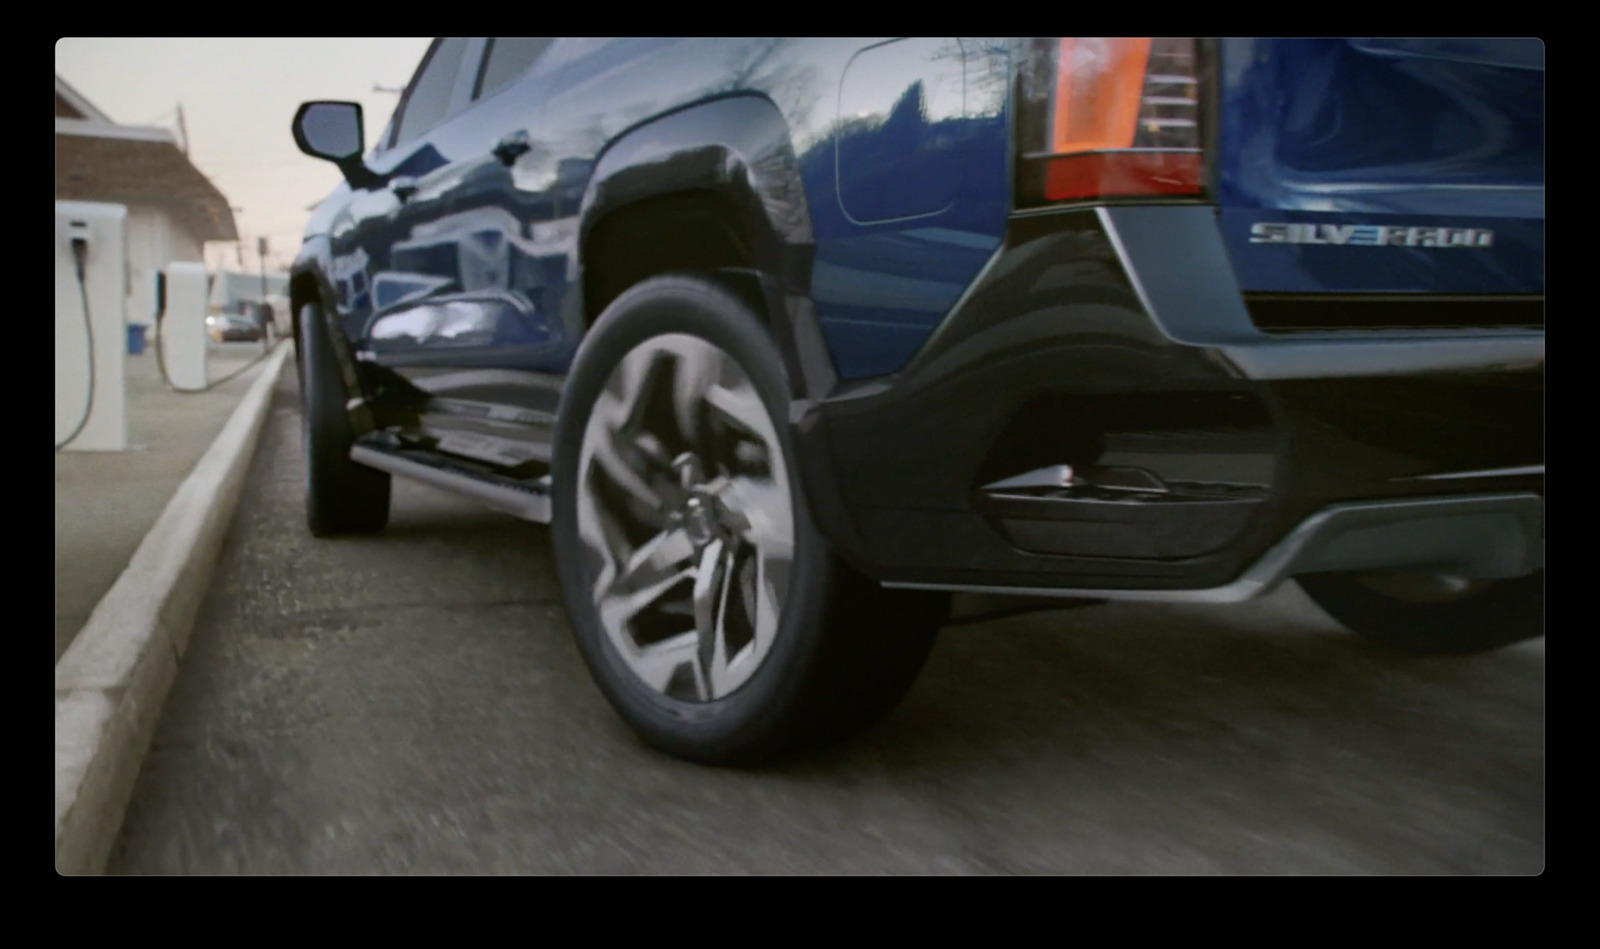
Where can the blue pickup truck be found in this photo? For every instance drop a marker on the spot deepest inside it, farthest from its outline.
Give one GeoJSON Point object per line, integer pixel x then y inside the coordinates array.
{"type": "Point", "coordinates": [803, 347]}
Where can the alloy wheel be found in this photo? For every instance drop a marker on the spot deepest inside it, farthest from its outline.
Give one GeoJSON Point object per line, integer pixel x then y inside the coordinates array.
{"type": "Point", "coordinates": [686, 518]}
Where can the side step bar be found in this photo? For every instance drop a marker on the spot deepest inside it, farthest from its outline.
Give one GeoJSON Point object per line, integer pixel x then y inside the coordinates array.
{"type": "Point", "coordinates": [527, 500]}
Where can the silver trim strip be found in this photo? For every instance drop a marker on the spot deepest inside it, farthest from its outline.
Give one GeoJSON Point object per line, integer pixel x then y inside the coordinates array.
{"type": "Point", "coordinates": [1114, 151]}
{"type": "Point", "coordinates": [1484, 473]}
{"type": "Point", "coordinates": [1308, 356]}
{"type": "Point", "coordinates": [1127, 263]}
{"type": "Point", "coordinates": [1232, 593]}
{"type": "Point", "coordinates": [529, 507]}
{"type": "Point", "coordinates": [1279, 563]}
{"type": "Point", "coordinates": [1052, 476]}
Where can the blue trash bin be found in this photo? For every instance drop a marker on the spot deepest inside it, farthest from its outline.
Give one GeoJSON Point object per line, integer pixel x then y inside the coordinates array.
{"type": "Point", "coordinates": [135, 339]}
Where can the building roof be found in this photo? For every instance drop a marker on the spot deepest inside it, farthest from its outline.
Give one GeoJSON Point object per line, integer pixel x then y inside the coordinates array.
{"type": "Point", "coordinates": [70, 104]}
{"type": "Point", "coordinates": [99, 160]}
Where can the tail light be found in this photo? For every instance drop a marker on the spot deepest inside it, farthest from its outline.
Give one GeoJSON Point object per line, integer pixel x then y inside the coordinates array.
{"type": "Point", "coordinates": [1102, 117]}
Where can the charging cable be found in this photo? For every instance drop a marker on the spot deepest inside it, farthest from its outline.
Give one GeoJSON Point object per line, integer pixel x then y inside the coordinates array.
{"type": "Point", "coordinates": [80, 253]}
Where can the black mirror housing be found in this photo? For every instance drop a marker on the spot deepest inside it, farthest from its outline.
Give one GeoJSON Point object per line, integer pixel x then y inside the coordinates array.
{"type": "Point", "coordinates": [333, 132]}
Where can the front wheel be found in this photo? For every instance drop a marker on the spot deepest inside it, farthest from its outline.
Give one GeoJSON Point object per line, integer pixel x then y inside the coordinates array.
{"type": "Point", "coordinates": [1432, 614]}
{"type": "Point", "coordinates": [705, 601]}
{"type": "Point", "coordinates": [341, 496]}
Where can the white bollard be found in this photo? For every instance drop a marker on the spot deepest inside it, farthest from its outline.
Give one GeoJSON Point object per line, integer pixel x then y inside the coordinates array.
{"type": "Point", "coordinates": [183, 326]}
{"type": "Point", "coordinates": [93, 398]}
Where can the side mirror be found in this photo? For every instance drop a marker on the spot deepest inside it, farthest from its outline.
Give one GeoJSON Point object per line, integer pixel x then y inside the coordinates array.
{"type": "Point", "coordinates": [333, 131]}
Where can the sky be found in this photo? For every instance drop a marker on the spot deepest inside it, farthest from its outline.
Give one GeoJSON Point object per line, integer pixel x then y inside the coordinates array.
{"type": "Point", "coordinates": [238, 97]}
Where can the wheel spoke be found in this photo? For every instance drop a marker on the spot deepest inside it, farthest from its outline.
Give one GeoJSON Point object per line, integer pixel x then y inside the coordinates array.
{"type": "Point", "coordinates": [616, 439]}
{"type": "Point", "coordinates": [664, 555]}
{"type": "Point", "coordinates": [729, 668]}
{"type": "Point", "coordinates": [625, 476]}
{"type": "Point", "coordinates": [602, 536]}
{"type": "Point", "coordinates": [618, 608]}
{"type": "Point", "coordinates": [743, 407]}
{"type": "Point", "coordinates": [711, 602]}
{"type": "Point", "coordinates": [698, 366]}
{"type": "Point", "coordinates": [766, 512]}
{"type": "Point", "coordinates": [770, 574]}
{"type": "Point", "coordinates": [659, 565]}
{"type": "Point", "coordinates": [658, 663]}
{"type": "Point", "coordinates": [610, 413]}
{"type": "Point", "coordinates": [630, 385]}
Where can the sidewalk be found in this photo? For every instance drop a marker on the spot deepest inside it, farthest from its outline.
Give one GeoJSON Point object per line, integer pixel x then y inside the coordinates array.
{"type": "Point", "coordinates": [106, 502]}
{"type": "Point", "coordinates": [137, 533]}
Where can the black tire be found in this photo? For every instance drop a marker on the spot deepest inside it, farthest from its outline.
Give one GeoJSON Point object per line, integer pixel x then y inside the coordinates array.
{"type": "Point", "coordinates": [1499, 614]}
{"type": "Point", "coordinates": [842, 651]}
{"type": "Point", "coordinates": [342, 497]}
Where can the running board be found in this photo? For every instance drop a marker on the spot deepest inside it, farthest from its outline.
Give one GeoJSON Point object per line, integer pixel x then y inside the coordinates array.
{"type": "Point", "coordinates": [529, 500]}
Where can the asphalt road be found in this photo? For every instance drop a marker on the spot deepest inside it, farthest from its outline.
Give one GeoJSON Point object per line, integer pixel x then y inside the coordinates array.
{"type": "Point", "coordinates": [413, 704]}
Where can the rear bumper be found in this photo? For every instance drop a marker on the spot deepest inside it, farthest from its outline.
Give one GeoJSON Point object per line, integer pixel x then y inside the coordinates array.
{"type": "Point", "coordinates": [1490, 536]}
{"type": "Point", "coordinates": [1213, 459]}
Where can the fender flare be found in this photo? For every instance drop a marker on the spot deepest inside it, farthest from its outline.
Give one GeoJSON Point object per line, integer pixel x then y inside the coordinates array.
{"type": "Point", "coordinates": [738, 148]}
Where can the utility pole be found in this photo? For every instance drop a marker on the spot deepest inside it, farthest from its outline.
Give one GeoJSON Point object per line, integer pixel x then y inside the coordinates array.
{"type": "Point", "coordinates": [261, 251]}
{"type": "Point", "coordinates": [267, 316]}
{"type": "Point", "coordinates": [238, 245]}
{"type": "Point", "coordinates": [183, 129]}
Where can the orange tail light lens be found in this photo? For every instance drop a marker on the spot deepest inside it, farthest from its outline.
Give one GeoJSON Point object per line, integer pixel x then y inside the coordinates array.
{"type": "Point", "coordinates": [1099, 85]}
{"type": "Point", "coordinates": [1115, 117]}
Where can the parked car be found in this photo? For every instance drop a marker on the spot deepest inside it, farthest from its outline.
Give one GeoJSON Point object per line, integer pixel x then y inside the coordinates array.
{"type": "Point", "coordinates": [802, 347]}
{"type": "Point", "coordinates": [232, 327]}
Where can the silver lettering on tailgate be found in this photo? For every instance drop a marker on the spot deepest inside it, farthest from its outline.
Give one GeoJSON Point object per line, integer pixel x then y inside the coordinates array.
{"type": "Point", "coordinates": [1370, 235]}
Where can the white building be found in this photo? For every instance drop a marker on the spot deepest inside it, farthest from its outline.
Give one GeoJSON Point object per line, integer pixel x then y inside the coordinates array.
{"type": "Point", "coordinates": [173, 209]}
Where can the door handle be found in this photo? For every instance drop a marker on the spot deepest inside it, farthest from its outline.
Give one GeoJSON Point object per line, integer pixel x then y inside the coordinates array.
{"type": "Point", "coordinates": [403, 187]}
{"type": "Point", "coordinates": [512, 146]}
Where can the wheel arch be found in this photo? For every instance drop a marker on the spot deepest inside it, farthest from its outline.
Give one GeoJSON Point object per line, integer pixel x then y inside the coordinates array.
{"type": "Point", "coordinates": [712, 188]}
{"type": "Point", "coordinates": [309, 284]}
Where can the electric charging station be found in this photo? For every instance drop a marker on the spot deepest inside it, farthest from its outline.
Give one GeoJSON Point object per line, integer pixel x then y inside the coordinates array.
{"type": "Point", "coordinates": [183, 325]}
{"type": "Point", "coordinates": [91, 327]}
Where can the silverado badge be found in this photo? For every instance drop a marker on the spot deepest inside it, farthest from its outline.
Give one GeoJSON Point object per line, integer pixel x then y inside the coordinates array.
{"type": "Point", "coordinates": [1370, 235]}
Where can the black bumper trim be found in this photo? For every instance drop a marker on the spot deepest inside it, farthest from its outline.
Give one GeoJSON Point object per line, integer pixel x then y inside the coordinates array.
{"type": "Point", "coordinates": [1487, 536]}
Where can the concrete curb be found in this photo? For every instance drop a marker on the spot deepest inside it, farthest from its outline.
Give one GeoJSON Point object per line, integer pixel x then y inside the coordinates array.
{"type": "Point", "coordinates": [114, 678]}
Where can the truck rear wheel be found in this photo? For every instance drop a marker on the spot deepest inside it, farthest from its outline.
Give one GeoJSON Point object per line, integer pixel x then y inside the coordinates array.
{"type": "Point", "coordinates": [1432, 614]}
{"type": "Point", "coordinates": [707, 604]}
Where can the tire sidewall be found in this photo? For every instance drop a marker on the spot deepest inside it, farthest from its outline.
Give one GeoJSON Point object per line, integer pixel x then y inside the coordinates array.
{"type": "Point", "coordinates": [1508, 612]}
{"type": "Point", "coordinates": [755, 718]}
{"type": "Point", "coordinates": [314, 395]}
{"type": "Point", "coordinates": [341, 496]}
